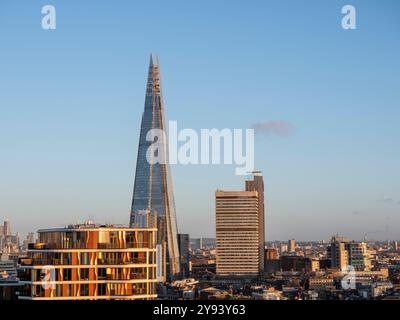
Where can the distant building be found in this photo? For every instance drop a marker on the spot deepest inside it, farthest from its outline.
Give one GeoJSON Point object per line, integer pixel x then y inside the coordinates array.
{"type": "Point", "coordinates": [86, 262]}
{"type": "Point", "coordinates": [7, 269]}
{"type": "Point", "coordinates": [196, 244]}
{"type": "Point", "coordinates": [207, 243]}
{"type": "Point", "coordinates": [359, 256]}
{"type": "Point", "coordinates": [200, 269]}
{"type": "Point", "coordinates": [268, 294]}
{"type": "Point", "coordinates": [337, 253]}
{"type": "Point", "coordinates": [291, 245]}
{"type": "Point", "coordinates": [7, 228]}
{"type": "Point", "coordinates": [183, 241]}
{"type": "Point", "coordinates": [202, 243]}
{"type": "Point", "coordinates": [212, 293]}
{"type": "Point", "coordinates": [324, 264]}
{"type": "Point", "coordinates": [342, 253]}
{"type": "Point", "coordinates": [30, 238]}
{"type": "Point", "coordinates": [272, 263]}
{"type": "Point", "coordinates": [9, 289]}
{"type": "Point", "coordinates": [321, 283]}
{"type": "Point", "coordinates": [9, 284]}
{"type": "Point", "coordinates": [298, 263]}
{"type": "Point", "coordinates": [271, 254]}
{"type": "Point", "coordinates": [9, 243]}
{"type": "Point", "coordinates": [380, 288]}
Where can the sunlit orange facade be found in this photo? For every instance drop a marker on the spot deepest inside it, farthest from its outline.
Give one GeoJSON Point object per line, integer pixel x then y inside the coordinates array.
{"type": "Point", "coordinates": [87, 262]}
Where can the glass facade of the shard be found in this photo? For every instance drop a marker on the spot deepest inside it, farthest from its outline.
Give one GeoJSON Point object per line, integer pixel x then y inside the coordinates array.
{"type": "Point", "coordinates": [153, 199]}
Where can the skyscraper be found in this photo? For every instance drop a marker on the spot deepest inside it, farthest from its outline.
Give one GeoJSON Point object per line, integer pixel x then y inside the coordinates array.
{"type": "Point", "coordinates": [257, 184]}
{"type": "Point", "coordinates": [153, 198]}
{"type": "Point", "coordinates": [240, 237]}
{"type": "Point", "coordinates": [237, 233]}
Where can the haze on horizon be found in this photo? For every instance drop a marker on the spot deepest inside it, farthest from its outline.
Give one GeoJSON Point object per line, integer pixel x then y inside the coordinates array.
{"type": "Point", "coordinates": [324, 103]}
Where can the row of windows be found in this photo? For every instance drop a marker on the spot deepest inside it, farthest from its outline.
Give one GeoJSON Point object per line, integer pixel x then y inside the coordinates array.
{"type": "Point", "coordinates": [75, 274]}
{"type": "Point", "coordinates": [97, 239]}
{"type": "Point", "coordinates": [101, 289]}
{"type": "Point", "coordinates": [91, 258]}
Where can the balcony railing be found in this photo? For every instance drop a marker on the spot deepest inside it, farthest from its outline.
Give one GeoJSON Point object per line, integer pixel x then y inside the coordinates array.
{"type": "Point", "coordinates": [128, 245]}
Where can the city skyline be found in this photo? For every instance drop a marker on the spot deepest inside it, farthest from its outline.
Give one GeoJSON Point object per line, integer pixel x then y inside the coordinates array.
{"type": "Point", "coordinates": [326, 124]}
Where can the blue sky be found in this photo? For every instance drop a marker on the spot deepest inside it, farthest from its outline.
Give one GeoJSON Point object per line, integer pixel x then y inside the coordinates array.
{"type": "Point", "coordinates": [71, 101]}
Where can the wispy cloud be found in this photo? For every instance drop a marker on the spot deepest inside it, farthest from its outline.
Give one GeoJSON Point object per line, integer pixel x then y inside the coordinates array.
{"type": "Point", "coordinates": [277, 127]}
{"type": "Point", "coordinates": [385, 200]}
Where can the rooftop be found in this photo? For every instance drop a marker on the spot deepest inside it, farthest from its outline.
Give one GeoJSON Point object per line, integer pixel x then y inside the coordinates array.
{"type": "Point", "coordinates": [89, 225]}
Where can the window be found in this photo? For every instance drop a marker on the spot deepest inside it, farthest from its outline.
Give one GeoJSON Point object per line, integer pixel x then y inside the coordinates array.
{"type": "Point", "coordinates": [84, 290]}
{"type": "Point", "coordinates": [59, 291]}
{"type": "Point", "coordinates": [85, 260]}
{"type": "Point", "coordinates": [84, 273]}
{"type": "Point", "coordinates": [67, 274]}
{"type": "Point", "coordinates": [101, 274]}
{"type": "Point", "coordinates": [101, 289]}
{"type": "Point", "coordinates": [130, 240]}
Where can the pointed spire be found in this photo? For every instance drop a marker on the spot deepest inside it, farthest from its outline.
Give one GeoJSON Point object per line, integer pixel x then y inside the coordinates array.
{"type": "Point", "coordinates": [157, 61]}
{"type": "Point", "coordinates": [150, 77]}
{"type": "Point", "coordinates": [153, 183]}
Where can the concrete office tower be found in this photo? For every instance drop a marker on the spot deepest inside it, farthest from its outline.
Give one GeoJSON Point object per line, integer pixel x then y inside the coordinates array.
{"type": "Point", "coordinates": [292, 246]}
{"type": "Point", "coordinates": [257, 184]}
{"type": "Point", "coordinates": [153, 193]}
{"type": "Point", "coordinates": [338, 254]}
{"type": "Point", "coordinates": [90, 262]}
{"type": "Point", "coordinates": [342, 252]}
{"type": "Point", "coordinates": [237, 233]}
{"type": "Point", "coordinates": [359, 256]}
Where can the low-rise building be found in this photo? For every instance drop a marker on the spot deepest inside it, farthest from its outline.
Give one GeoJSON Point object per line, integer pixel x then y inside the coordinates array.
{"type": "Point", "coordinates": [85, 262]}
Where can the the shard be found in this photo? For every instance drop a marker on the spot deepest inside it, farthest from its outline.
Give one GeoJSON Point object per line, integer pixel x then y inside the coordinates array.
{"type": "Point", "coordinates": [153, 199]}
